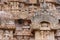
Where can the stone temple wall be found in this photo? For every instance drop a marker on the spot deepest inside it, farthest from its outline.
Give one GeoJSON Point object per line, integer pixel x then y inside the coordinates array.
{"type": "Point", "coordinates": [29, 20]}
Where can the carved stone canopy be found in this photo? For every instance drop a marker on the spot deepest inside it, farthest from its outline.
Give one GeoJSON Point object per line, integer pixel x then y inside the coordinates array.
{"type": "Point", "coordinates": [48, 18]}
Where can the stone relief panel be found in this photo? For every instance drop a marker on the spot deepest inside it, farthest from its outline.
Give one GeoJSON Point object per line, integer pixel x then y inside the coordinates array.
{"type": "Point", "coordinates": [21, 37]}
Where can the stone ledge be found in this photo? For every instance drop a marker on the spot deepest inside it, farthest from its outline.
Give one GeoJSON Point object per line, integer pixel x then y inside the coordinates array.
{"type": "Point", "coordinates": [47, 0]}
{"type": "Point", "coordinates": [45, 28]}
{"type": "Point", "coordinates": [12, 27]}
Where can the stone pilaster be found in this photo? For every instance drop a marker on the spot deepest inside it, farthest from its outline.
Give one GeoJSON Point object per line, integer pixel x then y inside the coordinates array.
{"type": "Point", "coordinates": [11, 35]}
{"type": "Point", "coordinates": [37, 35]}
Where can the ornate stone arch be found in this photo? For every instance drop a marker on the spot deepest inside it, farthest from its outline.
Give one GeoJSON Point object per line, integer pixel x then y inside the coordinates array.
{"type": "Point", "coordinates": [47, 18]}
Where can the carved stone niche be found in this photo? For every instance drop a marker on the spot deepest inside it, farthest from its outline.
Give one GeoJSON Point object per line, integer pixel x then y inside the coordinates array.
{"type": "Point", "coordinates": [44, 25]}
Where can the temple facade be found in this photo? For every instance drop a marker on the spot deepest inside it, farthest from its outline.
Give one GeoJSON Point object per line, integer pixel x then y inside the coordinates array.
{"type": "Point", "coordinates": [29, 19]}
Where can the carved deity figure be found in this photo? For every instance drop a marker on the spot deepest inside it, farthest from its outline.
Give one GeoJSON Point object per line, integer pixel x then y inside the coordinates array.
{"type": "Point", "coordinates": [6, 35]}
